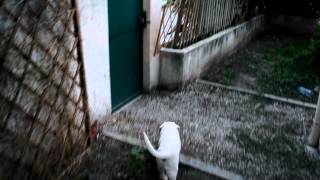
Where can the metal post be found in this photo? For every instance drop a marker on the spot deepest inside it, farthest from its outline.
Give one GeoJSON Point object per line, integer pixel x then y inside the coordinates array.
{"type": "Point", "coordinates": [314, 136]}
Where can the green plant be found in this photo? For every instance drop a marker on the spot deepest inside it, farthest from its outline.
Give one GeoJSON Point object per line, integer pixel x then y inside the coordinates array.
{"type": "Point", "coordinates": [137, 158]}
{"type": "Point", "coordinates": [228, 76]}
{"type": "Point", "coordinates": [292, 66]}
{"type": "Point", "coordinates": [140, 163]}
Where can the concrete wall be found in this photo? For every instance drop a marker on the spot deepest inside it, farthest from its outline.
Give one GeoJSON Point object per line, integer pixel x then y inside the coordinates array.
{"type": "Point", "coordinates": [151, 63]}
{"type": "Point", "coordinates": [95, 45]}
{"type": "Point", "coordinates": [294, 25]}
{"type": "Point", "coordinates": [179, 66]}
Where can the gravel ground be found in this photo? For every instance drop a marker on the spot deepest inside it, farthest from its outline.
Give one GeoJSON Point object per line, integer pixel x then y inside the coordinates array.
{"type": "Point", "coordinates": [253, 137]}
{"type": "Point", "coordinates": [113, 160]}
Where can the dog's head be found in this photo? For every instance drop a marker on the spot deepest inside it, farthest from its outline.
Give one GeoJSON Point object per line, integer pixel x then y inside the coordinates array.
{"type": "Point", "coordinates": [169, 125]}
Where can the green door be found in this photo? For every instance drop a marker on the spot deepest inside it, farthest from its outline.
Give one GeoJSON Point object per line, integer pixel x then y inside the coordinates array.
{"type": "Point", "coordinates": [125, 37]}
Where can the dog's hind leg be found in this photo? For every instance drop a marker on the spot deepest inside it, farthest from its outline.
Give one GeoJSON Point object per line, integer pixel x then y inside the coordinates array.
{"type": "Point", "coordinates": [162, 171]}
{"type": "Point", "coordinates": [172, 176]}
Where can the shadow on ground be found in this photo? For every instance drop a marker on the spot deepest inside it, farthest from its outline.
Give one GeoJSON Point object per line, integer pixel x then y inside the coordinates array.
{"type": "Point", "coordinates": [113, 160]}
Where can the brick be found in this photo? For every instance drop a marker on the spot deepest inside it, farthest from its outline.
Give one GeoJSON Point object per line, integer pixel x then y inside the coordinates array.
{"type": "Point", "coordinates": [64, 122]}
{"type": "Point", "coordinates": [39, 57]}
{"type": "Point", "coordinates": [71, 26]}
{"type": "Point", "coordinates": [3, 44]}
{"type": "Point", "coordinates": [60, 104]}
{"type": "Point", "coordinates": [28, 155]}
{"type": "Point", "coordinates": [62, 56]}
{"type": "Point", "coordinates": [15, 6]}
{"type": "Point", "coordinates": [47, 17]}
{"type": "Point", "coordinates": [4, 111]}
{"type": "Point", "coordinates": [79, 118]}
{"type": "Point", "coordinates": [7, 23]}
{"type": "Point", "coordinates": [50, 94]}
{"type": "Point", "coordinates": [44, 37]}
{"type": "Point", "coordinates": [57, 75]}
{"type": "Point", "coordinates": [54, 121]}
{"type": "Point", "coordinates": [36, 134]}
{"type": "Point", "coordinates": [37, 6]}
{"type": "Point", "coordinates": [8, 86]}
{"type": "Point", "coordinates": [12, 148]}
{"type": "Point", "coordinates": [80, 105]}
{"type": "Point", "coordinates": [44, 113]}
{"type": "Point", "coordinates": [35, 80]}
{"type": "Point", "coordinates": [6, 169]}
{"type": "Point", "coordinates": [66, 86]}
{"type": "Point", "coordinates": [19, 122]}
{"type": "Point", "coordinates": [49, 142]}
{"type": "Point", "coordinates": [70, 109]}
{"type": "Point", "coordinates": [58, 28]}
{"type": "Point", "coordinates": [69, 42]}
{"type": "Point", "coordinates": [27, 101]}
{"type": "Point", "coordinates": [53, 50]}
{"type": "Point", "coordinates": [23, 41]}
{"type": "Point", "coordinates": [75, 93]}
{"type": "Point", "coordinates": [78, 79]}
{"type": "Point", "coordinates": [15, 62]}
{"type": "Point", "coordinates": [38, 164]}
{"type": "Point", "coordinates": [73, 67]}
{"type": "Point", "coordinates": [75, 53]}
{"type": "Point", "coordinates": [28, 21]}
{"type": "Point", "coordinates": [20, 174]}
{"type": "Point", "coordinates": [6, 138]}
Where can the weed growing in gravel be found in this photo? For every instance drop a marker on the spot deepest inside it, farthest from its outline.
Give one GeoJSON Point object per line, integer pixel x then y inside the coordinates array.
{"type": "Point", "coordinates": [141, 163]}
{"type": "Point", "coordinates": [228, 76]}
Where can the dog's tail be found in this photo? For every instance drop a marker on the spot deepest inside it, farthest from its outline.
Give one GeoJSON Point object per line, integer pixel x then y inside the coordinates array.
{"type": "Point", "coordinates": [155, 153]}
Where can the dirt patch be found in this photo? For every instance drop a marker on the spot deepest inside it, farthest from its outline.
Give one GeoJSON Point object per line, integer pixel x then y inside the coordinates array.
{"type": "Point", "coordinates": [113, 160]}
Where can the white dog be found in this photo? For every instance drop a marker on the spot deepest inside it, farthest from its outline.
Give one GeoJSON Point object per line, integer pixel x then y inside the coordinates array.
{"type": "Point", "coordinates": [168, 152]}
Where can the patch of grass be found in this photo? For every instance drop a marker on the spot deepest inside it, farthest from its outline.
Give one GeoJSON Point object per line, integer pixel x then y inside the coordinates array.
{"type": "Point", "coordinates": [141, 163]}
{"type": "Point", "coordinates": [292, 66]}
{"type": "Point", "coordinates": [253, 68]}
{"type": "Point", "coordinates": [228, 76]}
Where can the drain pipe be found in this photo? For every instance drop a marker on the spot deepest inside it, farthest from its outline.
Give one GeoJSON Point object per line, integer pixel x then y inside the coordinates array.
{"type": "Point", "coordinates": [314, 136]}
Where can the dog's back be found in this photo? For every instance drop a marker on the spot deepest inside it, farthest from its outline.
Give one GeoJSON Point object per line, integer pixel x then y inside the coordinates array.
{"type": "Point", "coordinates": [169, 150]}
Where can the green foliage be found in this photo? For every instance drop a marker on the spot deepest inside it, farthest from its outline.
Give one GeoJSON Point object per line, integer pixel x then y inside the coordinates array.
{"type": "Point", "coordinates": [292, 66]}
{"type": "Point", "coordinates": [228, 76]}
{"type": "Point", "coordinates": [137, 158]}
{"type": "Point", "coordinates": [141, 163]}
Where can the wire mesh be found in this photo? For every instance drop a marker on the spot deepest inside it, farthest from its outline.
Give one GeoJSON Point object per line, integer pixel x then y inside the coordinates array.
{"type": "Point", "coordinates": [44, 118]}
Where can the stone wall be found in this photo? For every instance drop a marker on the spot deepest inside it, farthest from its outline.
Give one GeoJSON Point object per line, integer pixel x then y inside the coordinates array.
{"type": "Point", "coordinates": [43, 109]}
